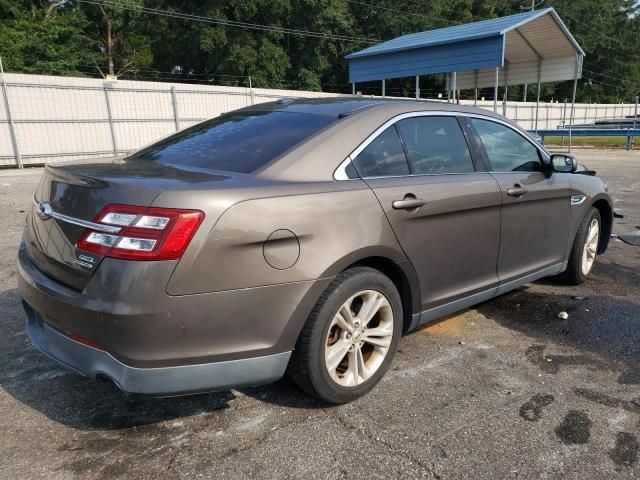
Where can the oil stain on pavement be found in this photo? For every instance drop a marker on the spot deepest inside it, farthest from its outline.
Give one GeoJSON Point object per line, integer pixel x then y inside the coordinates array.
{"type": "Point", "coordinates": [575, 428]}
{"type": "Point", "coordinates": [625, 453]}
{"type": "Point", "coordinates": [532, 409]}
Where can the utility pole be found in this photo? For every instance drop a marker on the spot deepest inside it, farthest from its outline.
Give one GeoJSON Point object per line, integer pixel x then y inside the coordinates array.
{"type": "Point", "coordinates": [533, 5]}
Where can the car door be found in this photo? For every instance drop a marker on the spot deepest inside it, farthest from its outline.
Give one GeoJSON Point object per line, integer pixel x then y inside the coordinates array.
{"type": "Point", "coordinates": [445, 213]}
{"type": "Point", "coordinates": [536, 205]}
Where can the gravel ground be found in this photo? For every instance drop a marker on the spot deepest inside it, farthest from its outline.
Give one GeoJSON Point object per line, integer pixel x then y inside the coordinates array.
{"type": "Point", "coordinates": [505, 390]}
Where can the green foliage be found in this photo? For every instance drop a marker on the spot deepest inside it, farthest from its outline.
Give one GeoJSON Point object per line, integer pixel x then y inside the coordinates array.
{"type": "Point", "coordinates": [32, 42]}
{"type": "Point", "coordinates": [70, 37]}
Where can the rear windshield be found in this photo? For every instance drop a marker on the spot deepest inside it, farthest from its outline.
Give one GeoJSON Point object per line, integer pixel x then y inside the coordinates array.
{"type": "Point", "coordinates": [235, 142]}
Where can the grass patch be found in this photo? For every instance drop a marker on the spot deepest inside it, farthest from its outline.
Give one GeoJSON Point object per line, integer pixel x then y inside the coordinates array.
{"type": "Point", "coordinates": [589, 141]}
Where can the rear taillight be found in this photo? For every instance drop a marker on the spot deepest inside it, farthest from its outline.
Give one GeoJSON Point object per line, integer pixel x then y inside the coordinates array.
{"type": "Point", "coordinates": [147, 233]}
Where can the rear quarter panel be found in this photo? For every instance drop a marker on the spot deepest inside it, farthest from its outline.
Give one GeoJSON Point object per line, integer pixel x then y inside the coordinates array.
{"type": "Point", "coordinates": [335, 224]}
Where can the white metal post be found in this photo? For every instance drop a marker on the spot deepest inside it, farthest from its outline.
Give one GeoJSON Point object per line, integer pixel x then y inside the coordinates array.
{"type": "Point", "coordinates": [417, 87]}
{"type": "Point", "coordinates": [113, 132]}
{"type": "Point", "coordinates": [475, 91]}
{"type": "Point", "coordinates": [635, 120]}
{"type": "Point", "coordinates": [524, 95]}
{"type": "Point", "coordinates": [506, 90]}
{"type": "Point", "coordinates": [383, 88]}
{"type": "Point", "coordinates": [454, 85]}
{"type": "Point", "coordinates": [538, 93]}
{"type": "Point", "coordinates": [251, 91]}
{"type": "Point", "coordinates": [564, 118]}
{"type": "Point", "coordinates": [573, 97]}
{"type": "Point", "coordinates": [353, 88]}
{"type": "Point", "coordinates": [174, 102]}
{"type": "Point", "coordinates": [12, 130]}
{"type": "Point", "coordinates": [495, 90]}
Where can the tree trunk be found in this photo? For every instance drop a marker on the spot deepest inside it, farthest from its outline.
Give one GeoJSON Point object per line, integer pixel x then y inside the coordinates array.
{"type": "Point", "coordinates": [110, 48]}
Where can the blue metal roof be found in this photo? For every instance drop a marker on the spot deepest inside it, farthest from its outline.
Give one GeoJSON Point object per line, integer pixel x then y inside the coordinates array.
{"type": "Point", "coordinates": [477, 46]}
{"type": "Point", "coordinates": [457, 33]}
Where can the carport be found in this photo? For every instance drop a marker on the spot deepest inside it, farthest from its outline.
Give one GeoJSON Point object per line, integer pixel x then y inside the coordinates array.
{"type": "Point", "coordinates": [522, 49]}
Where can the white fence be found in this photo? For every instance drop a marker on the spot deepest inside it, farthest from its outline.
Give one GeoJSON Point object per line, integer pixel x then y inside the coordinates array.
{"type": "Point", "coordinates": [57, 119]}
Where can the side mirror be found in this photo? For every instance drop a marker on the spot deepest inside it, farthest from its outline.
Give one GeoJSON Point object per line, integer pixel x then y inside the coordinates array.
{"type": "Point", "coordinates": [563, 163]}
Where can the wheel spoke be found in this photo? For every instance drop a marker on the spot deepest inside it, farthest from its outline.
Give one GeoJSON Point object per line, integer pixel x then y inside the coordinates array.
{"type": "Point", "coordinates": [357, 369]}
{"type": "Point", "coordinates": [336, 353]}
{"type": "Point", "coordinates": [362, 366]}
{"type": "Point", "coordinates": [352, 370]}
{"type": "Point", "coordinates": [370, 307]}
{"type": "Point", "coordinates": [380, 337]}
{"type": "Point", "coordinates": [346, 312]}
{"type": "Point", "coordinates": [342, 322]}
{"type": "Point", "coordinates": [379, 342]}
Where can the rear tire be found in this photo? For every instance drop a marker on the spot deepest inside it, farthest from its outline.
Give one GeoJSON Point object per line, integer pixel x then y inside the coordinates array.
{"type": "Point", "coordinates": [350, 337]}
{"type": "Point", "coordinates": [585, 249]}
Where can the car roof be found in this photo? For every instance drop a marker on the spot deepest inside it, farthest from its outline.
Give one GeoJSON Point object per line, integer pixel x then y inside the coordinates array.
{"type": "Point", "coordinates": [349, 105]}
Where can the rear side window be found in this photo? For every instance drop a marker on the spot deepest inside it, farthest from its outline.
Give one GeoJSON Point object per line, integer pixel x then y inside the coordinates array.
{"type": "Point", "coordinates": [508, 151]}
{"type": "Point", "coordinates": [236, 142]}
{"type": "Point", "coordinates": [384, 156]}
{"type": "Point", "coordinates": [435, 145]}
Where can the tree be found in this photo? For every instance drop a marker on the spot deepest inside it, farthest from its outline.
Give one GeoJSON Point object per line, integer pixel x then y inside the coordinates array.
{"type": "Point", "coordinates": [120, 31]}
{"type": "Point", "coordinates": [122, 37]}
{"type": "Point", "coordinates": [34, 39]}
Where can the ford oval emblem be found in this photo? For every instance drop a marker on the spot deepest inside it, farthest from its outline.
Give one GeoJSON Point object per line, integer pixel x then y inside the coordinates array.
{"type": "Point", "coordinates": [44, 210]}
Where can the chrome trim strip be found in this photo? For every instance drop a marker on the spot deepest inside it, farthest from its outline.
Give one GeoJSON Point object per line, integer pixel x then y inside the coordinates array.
{"type": "Point", "coordinates": [341, 172]}
{"type": "Point", "coordinates": [83, 223]}
{"type": "Point", "coordinates": [578, 199]}
{"type": "Point", "coordinates": [531, 277]}
{"type": "Point", "coordinates": [99, 227]}
{"type": "Point", "coordinates": [413, 175]}
{"type": "Point", "coordinates": [434, 113]}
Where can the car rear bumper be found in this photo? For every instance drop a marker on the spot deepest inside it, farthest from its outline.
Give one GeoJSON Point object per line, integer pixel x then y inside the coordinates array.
{"type": "Point", "coordinates": [163, 381]}
{"type": "Point", "coordinates": [153, 343]}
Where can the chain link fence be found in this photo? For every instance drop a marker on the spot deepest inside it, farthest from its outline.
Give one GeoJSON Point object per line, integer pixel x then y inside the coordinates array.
{"type": "Point", "coordinates": [47, 119]}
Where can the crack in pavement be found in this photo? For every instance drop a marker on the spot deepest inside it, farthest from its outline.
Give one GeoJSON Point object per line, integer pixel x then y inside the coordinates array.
{"type": "Point", "coordinates": [376, 438]}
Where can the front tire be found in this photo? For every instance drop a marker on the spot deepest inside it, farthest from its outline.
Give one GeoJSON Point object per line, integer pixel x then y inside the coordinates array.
{"type": "Point", "coordinates": [349, 340]}
{"type": "Point", "coordinates": [585, 248]}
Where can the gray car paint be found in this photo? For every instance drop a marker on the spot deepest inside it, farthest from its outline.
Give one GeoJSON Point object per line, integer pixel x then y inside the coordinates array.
{"type": "Point", "coordinates": [223, 301]}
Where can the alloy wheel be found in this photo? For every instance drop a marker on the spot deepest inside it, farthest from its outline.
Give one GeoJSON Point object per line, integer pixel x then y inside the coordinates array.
{"type": "Point", "coordinates": [590, 246]}
{"type": "Point", "coordinates": [359, 338]}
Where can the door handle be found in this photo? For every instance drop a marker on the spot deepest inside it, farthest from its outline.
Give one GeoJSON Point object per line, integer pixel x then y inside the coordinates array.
{"type": "Point", "coordinates": [516, 191]}
{"type": "Point", "coordinates": [408, 203]}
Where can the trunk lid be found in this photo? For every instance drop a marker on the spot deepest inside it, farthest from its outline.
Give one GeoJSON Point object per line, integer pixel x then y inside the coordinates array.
{"type": "Point", "coordinates": [80, 191]}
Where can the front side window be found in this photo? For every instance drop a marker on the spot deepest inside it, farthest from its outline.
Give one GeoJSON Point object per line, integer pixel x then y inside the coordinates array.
{"type": "Point", "coordinates": [435, 145]}
{"type": "Point", "coordinates": [384, 156]}
{"type": "Point", "coordinates": [508, 151]}
{"type": "Point", "coordinates": [236, 142]}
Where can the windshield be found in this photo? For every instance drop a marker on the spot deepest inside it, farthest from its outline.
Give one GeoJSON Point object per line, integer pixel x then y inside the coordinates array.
{"type": "Point", "coordinates": [238, 142]}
